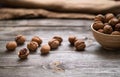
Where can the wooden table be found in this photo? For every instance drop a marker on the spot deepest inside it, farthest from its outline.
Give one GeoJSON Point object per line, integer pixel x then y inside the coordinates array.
{"type": "Point", "coordinates": [62, 62]}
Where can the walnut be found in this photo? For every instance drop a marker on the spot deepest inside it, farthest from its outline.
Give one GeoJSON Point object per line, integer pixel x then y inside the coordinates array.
{"type": "Point", "coordinates": [80, 45]}
{"type": "Point", "coordinates": [99, 17]}
{"type": "Point", "coordinates": [58, 38]}
{"type": "Point", "coordinates": [45, 49]}
{"type": "Point", "coordinates": [101, 30]}
{"type": "Point", "coordinates": [98, 25]}
{"type": "Point", "coordinates": [107, 29]}
{"type": "Point", "coordinates": [37, 39]}
{"type": "Point", "coordinates": [11, 45]}
{"type": "Point", "coordinates": [113, 21]}
{"type": "Point", "coordinates": [20, 39]}
{"type": "Point", "coordinates": [32, 46]}
{"type": "Point", "coordinates": [117, 27]}
{"type": "Point", "coordinates": [109, 16]}
{"type": "Point", "coordinates": [23, 53]}
{"type": "Point", "coordinates": [72, 39]}
{"type": "Point", "coordinates": [53, 43]}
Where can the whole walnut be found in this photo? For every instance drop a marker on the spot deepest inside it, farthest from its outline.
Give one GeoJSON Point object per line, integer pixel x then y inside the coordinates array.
{"type": "Point", "coordinates": [45, 49]}
{"type": "Point", "coordinates": [107, 29]}
{"type": "Point", "coordinates": [98, 25]}
{"type": "Point", "coordinates": [53, 43]}
{"type": "Point", "coordinates": [115, 33]}
{"type": "Point", "coordinates": [72, 39]}
{"type": "Point", "coordinates": [32, 46]}
{"type": "Point", "coordinates": [109, 16]}
{"type": "Point", "coordinates": [117, 27]}
{"type": "Point", "coordinates": [37, 39]}
{"type": "Point", "coordinates": [20, 39]}
{"type": "Point", "coordinates": [101, 30]}
{"type": "Point", "coordinates": [11, 45]}
{"type": "Point", "coordinates": [80, 45]}
{"type": "Point", "coordinates": [23, 53]}
{"type": "Point", "coordinates": [57, 37]}
{"type": "Point", "coordinates": [113, 21]}
{"type": "Point", "coordinates": [99, 17]}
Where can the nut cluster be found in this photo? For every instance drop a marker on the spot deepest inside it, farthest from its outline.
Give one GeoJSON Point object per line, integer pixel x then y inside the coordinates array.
{"type": "Point", "coordinates": [108, 24]}
{"type": "Point", "coordinates": [37, 39]}
{"type": "Point", "coordinates": [79, 44]}
{"type": "Point", "coordinates": [19, 40]}
{"type": "Point", "coordinates": [54, 43]}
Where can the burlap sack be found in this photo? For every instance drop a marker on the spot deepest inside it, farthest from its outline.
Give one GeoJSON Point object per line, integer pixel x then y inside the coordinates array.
{"type": "Point", "coordinates": [57, 8]}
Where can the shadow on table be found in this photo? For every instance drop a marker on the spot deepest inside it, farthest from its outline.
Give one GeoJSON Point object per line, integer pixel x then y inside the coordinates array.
{"type": "Point", "coordinates": [107, 54]}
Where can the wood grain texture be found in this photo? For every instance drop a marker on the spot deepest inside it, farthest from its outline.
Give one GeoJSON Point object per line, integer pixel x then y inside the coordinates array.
{"type": "Point", "coordinates": [62, 62]}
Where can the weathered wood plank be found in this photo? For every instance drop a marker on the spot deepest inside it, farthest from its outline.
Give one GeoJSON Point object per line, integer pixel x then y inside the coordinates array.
{"type": "Point", "coordinates": [45, 22]}
{"type": "Point", "coordinates": [64, 61]}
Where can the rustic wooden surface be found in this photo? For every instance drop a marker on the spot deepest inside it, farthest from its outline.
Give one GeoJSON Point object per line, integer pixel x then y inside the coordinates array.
{"type": "Point", "coordinates": [62, 62]}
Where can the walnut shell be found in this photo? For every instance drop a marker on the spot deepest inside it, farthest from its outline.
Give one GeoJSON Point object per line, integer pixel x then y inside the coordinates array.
{"type": "Point", "coordinates": [99, 17]}
{"type": "Point", "coordinates": [101, 30]}
{"type": "Point", "coordinates": [37, 39]}
{"type": "Point", "coordinates": [98, 25]}
{"type": "Point", "coordinates": [113, 21]}
{"type": "Point", "coordinates": [72, 39]}
{"type": "Point", "coordinates": [117, 27]}
{"type": "Point", "coordinates": [20, 39]}
{"type": "Point", "coordinates": [58, 38]}
{"type": "Point", "coordinates": [80, 45]}
{"type": "Point", "coordinates": [45, 49]}
{"type": "Point", "coordinates": [23, 53]}
{"type": "Point", "coordinates": [32, 46]}
{"type": "Point", "coordinates": [107, 29]}
{"type": "Point", "coordinates": [109, 16]}
{"type": "Point", "coordinates": [11, 45]}
{"type": "Point", "coordinates": [53, 43]}
{"type": "Point", "coordinates": [115, 33]}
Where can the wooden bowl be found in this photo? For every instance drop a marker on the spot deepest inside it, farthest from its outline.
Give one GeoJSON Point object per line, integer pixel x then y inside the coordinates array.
{"type": "Point", "coordinates": [109, 42]}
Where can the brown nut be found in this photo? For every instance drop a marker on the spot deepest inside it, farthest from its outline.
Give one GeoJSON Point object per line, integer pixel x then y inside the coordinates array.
{"type": "Point", "coordinates": [11, 45]}
{"type": "Point", "coordinates": [53, 43]}
{"type": "Point", "coordinates": [37, 39]}
{"type": "Point", "coordinates": [109, 16]}
{"type": "Point", "coordinates": [20, 39]}
{"type": "Point", "coordinates": [107, 29]}
{"type": "Point", "coordinates": [80, 45]}
{"type": "Point", "coordinates": [101, 30]}
{"type": "Point", "coordinates": [58, 38]}
{"type": "Point", "coordinates": [117, 27]}
{"type": "Point", "coordinates": [115, 33]}
{"type": "Point", "coordinates": [45, 49]}
{"type": "Point", "coordinates": [113, 21]}
{"type": "Point", "coordinates": [32, 46]}
{"type": "Point", "coordinates": [98, 25]}
{"type": "Point", "coordinates": [99, 17]}
{"type": "Point", "coordinates": [72, 39]}
{"type": "Point", "coordinates": [23, 53]}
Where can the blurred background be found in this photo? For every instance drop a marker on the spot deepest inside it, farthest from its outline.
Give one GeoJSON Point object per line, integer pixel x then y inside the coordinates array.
{"type": "Point", "coordinates": [69, 9]}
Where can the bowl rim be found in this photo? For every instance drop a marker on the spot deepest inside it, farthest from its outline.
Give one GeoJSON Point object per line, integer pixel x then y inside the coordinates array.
{"type": "Point", "coordinates": [102, 33]}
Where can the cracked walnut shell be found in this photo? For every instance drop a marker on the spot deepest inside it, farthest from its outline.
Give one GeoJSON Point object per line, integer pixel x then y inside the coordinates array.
{"type": "Point", "coordinates": [23, 53]}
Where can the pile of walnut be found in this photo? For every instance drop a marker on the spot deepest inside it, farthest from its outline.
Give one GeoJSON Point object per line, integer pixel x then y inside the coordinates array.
{"type": "Point", "coordinates": [36, 42]}
{"type": "Point", "coordinates": [108, 24]}
{"type": "Point", "coordinates": [79, 44]}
